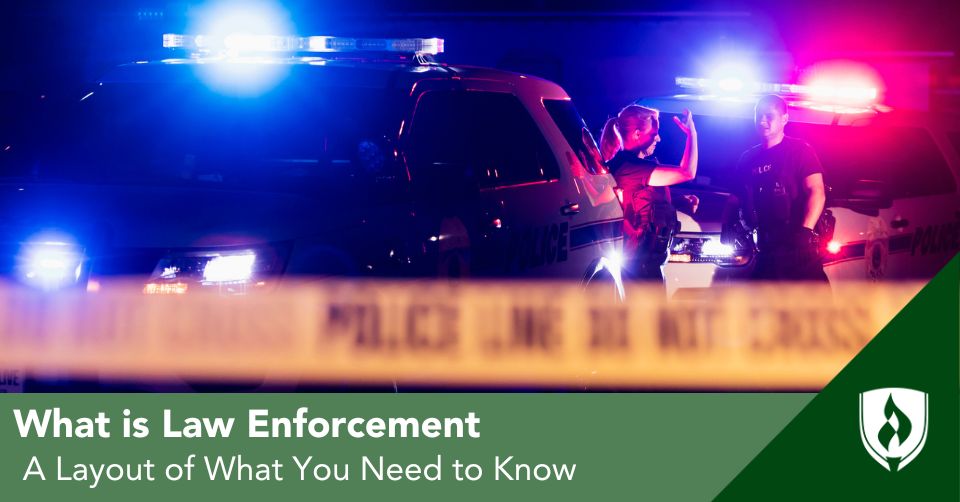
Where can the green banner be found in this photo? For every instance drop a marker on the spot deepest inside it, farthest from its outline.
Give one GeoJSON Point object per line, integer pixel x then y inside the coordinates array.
{"type": "Point", "coordinates": [530, 446]}
{"type": "Point", "coordinates": [887, 427]}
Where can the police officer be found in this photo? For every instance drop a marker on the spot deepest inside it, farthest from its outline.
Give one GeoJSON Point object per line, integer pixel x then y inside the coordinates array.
{"type": "Point", "coordinates": [784, 198]}
{"type": "Point", "coordinates": [627, 144]}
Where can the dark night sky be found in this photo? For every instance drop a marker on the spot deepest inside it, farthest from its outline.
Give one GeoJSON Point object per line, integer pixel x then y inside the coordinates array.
{"type": "Point", "coordinates": [853, 25]}
{"type": "Point", "coordinates": [861, 25]}
{"type": "Point", "coordinates": [50, 45]}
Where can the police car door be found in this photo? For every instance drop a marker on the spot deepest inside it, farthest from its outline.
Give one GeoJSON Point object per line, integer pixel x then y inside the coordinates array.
{"type": "Point", "coordinates": [924, 221]}
{"type": "Point", "coordinates": [511, 221]}
{"type": "Point", "coordinates": [912, 234]}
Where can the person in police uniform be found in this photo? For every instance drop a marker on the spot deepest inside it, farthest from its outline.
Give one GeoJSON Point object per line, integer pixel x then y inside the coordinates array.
{"type": "Point", "coordinates": [627, 145]}
{"type": "Point", "coordinates": [783, 198]}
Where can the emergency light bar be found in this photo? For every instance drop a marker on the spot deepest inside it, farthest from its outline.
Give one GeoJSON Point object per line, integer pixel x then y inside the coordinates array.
{"type": "Point", "coordinates": [339, 44]}
{"type": "Point", "coordinates": [825, 93]}
{"type": "Point", "coordinates": [279, 43]}
{"type": "Point", "coordinates": [730, 85]}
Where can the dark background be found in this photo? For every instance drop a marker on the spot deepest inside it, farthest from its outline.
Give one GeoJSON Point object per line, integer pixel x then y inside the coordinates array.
{"type": "Point", "coordinates": [604, 53]}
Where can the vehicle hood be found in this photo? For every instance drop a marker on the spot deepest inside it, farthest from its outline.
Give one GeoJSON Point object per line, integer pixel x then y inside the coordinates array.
{"type": "Point", "coordinates": [158, 217]}
{"type": "Point", "coordinates": [708, 217]}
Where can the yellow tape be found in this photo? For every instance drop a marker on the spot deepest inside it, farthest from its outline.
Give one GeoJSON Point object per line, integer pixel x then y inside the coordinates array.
{"type": "Point", "coordinates": [496, 333]}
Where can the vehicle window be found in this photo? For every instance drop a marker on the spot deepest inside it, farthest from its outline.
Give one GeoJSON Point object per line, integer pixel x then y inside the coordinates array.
{"type": "Point", "coordinates": [297, 139]}
{"type": "Point", "coordinates": [489, 133]}
{"type": "Point", "coordinates": [17, 119]}
{"type": "Point", "coordinates": [565, 115]}
{"type": "Point", "coordinates": [955, 141]}
{"type": "Point", "coordinates": [905, 158]}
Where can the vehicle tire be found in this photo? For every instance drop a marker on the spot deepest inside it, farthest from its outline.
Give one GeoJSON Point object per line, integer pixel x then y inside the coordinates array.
{"type": "Point", "coordinates": [600, 278]}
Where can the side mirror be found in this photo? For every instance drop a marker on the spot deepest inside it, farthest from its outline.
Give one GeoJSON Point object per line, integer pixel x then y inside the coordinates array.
{"type": "Point", "coordinates": [867, 197]}
{"type": "Point", "coordinates": [376, 162]}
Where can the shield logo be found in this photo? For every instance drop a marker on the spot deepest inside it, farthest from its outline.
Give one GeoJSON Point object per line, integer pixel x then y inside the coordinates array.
{"type": "Point", "coordinates": [893, 425]}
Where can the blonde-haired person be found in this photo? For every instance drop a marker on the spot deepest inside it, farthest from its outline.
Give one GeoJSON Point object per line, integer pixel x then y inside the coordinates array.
{"type": "Point", "coordinates": [649, 220]}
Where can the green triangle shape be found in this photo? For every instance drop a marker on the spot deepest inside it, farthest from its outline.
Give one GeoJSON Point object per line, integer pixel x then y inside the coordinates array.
{"type": "Point", "coordinates": [820, 454]}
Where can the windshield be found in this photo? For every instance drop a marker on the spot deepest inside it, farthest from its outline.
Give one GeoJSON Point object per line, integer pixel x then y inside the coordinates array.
{"type": "Point", "coordinates": [296, 138]}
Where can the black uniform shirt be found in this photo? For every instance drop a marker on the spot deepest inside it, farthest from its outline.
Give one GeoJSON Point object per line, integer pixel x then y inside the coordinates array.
{"type": "Point", "coordinates": [633, 177]}
{"type": "Point", "coordinates": [774, 197]}
{"type": "Point", "coordinates": [640, 200]}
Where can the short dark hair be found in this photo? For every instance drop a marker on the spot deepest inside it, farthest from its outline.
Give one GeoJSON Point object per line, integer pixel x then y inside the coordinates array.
{"type": "Point", "coordinates": [773, 100]}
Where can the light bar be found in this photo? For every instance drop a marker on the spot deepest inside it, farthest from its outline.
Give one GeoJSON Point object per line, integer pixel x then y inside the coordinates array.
{"type": "Point", "coordinates": [820, 92]}
{"type": "Point", "coordinates": [408, 45]}
{"type": "Point", "coordinates": [277, 43]}
{"type": "Point", "coordinates": [733, 85]}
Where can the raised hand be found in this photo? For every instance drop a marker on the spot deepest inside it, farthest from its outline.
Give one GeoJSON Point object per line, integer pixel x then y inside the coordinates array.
{"type": "Point", "coordinates": [686, 125]}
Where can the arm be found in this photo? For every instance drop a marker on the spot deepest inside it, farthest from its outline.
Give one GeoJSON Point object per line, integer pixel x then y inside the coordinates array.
{"type": "Point", "coordinates": [671, 175]}
{"type": "Point", "coordinates": [816, 199]}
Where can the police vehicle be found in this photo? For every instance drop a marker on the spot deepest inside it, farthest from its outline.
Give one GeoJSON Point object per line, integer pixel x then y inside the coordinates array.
{"type": "Point", "coordinates": [891, 180]}
{"type": "Point", "coordinates": [244, 159]}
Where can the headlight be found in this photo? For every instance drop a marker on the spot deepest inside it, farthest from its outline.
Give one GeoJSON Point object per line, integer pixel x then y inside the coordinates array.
{"type": "Point", "coordinates": [229, 269]}
{"type": "Point", "coordinates": [49, 264]}
{"type": "Point", "coordinates": [231, 272]}
{"type": "Point", "coordinates": [707, 249]}
{"type": "Point", "coordinates": [713, 247]}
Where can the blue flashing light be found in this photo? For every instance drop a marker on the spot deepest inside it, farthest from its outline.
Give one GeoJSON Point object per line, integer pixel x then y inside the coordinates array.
{"type": "Point", "coordinates": [242, 77]}
{"type": "Point", "coordinates": [220, 19]}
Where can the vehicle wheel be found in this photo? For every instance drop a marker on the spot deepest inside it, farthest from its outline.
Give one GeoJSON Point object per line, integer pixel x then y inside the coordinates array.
{"type": "Point", "coordinates": [604, 280]}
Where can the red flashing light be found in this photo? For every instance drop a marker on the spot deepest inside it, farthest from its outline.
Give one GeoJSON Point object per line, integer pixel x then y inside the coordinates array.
{"type": "Point", "coordinates": [841, 82]}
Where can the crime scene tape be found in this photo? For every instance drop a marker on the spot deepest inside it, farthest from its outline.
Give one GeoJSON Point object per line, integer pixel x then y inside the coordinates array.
{"type": "Point", "coordinates": [757, 336]}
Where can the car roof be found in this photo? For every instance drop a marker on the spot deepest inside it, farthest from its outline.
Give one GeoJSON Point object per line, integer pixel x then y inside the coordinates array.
{"type": "Point", "coordinates": [743, 107]}
{"type": "Point", "coordinates": [364, 72]}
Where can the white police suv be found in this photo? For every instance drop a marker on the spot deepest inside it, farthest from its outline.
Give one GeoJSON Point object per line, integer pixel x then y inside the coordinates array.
{"type": "Point", "coordinates": [244, 159]}
{"type": "Point", "coordinates": [892, 183]}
